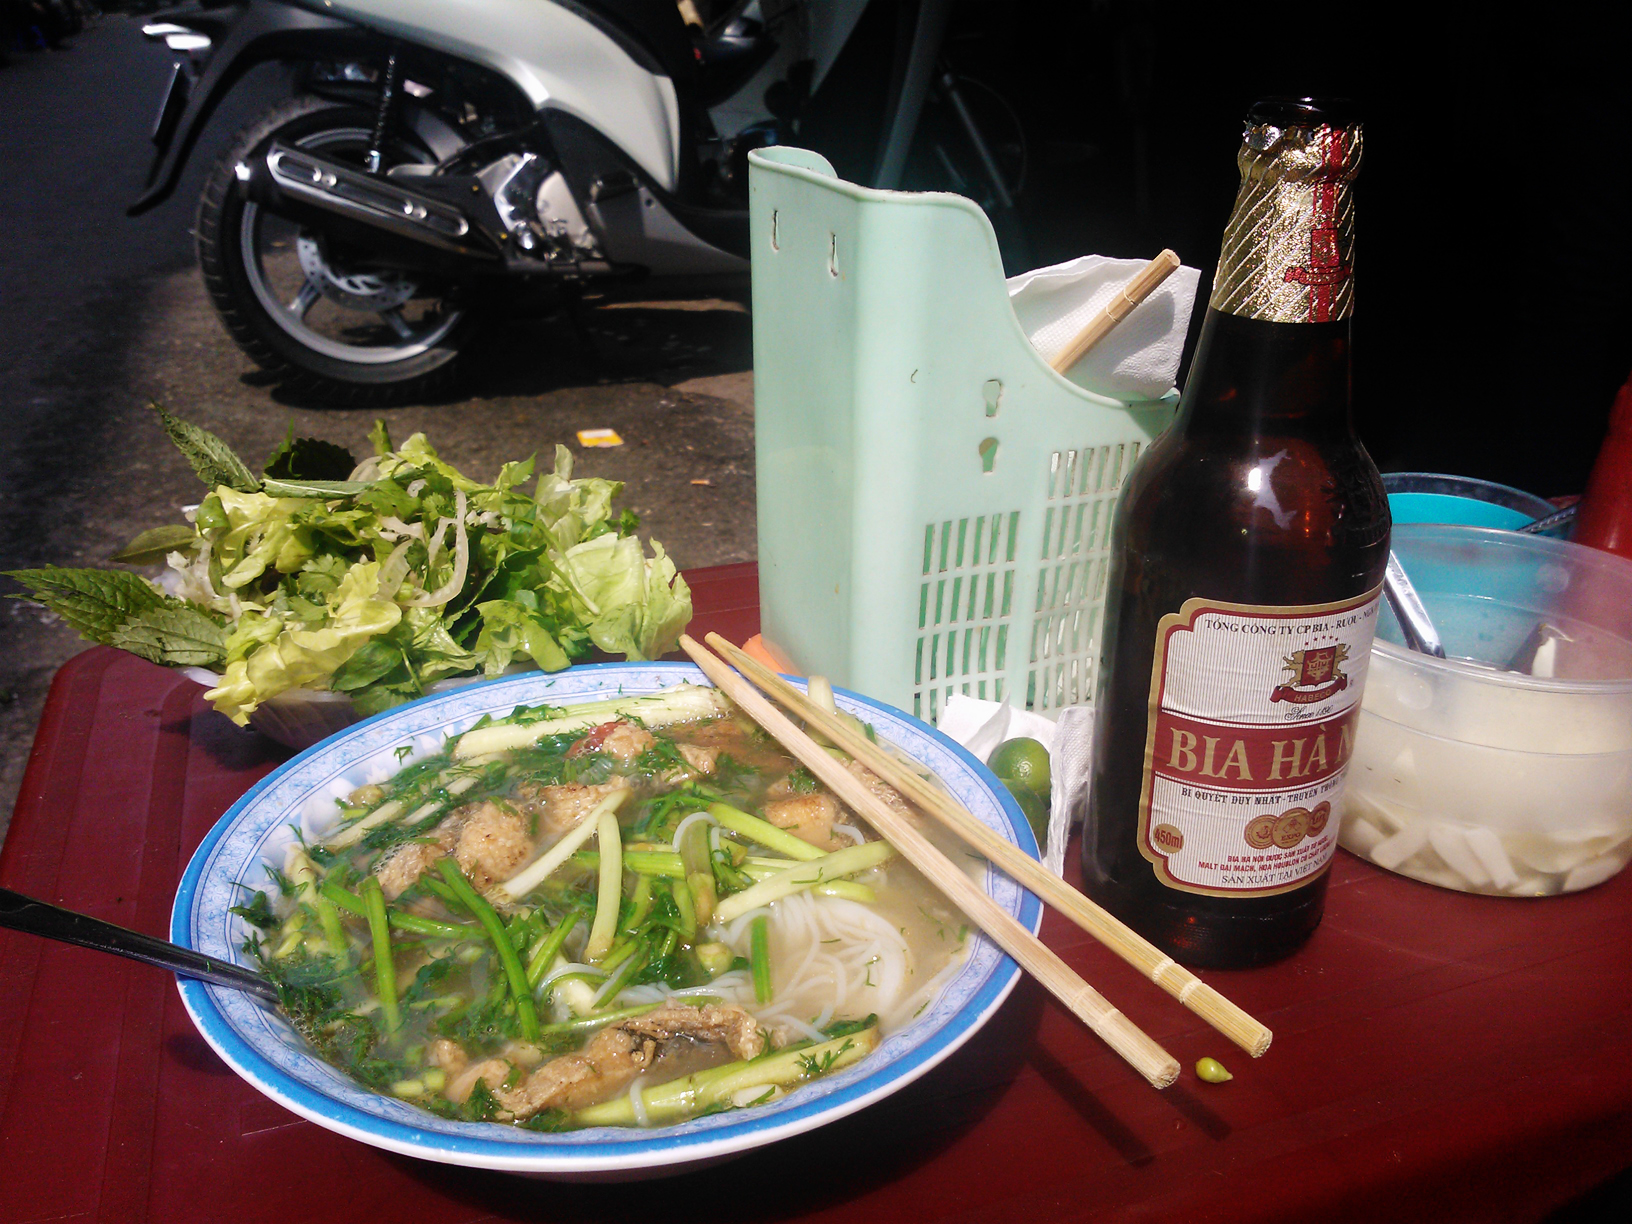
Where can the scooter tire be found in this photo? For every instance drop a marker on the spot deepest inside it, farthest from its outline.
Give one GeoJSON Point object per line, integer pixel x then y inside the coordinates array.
{"type": "Point", "coordinates": [302, 374]}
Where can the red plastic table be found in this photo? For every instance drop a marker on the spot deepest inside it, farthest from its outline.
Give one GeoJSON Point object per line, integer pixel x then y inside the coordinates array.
{"type": "Point", "coordinates": [1437, 1056]}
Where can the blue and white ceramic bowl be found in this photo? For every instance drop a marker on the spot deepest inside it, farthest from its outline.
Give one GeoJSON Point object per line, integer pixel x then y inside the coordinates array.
{"type": "Point", "coordinates": [260, 1046]}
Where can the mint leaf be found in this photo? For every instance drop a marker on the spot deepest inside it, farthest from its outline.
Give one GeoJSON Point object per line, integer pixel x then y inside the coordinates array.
{"type": "Point", "coordinates": [93, 602]}
{"type": "Point", "coordinates": [117, 608]}
{"type": "Point", "coordinates": [212, 459]}
{"type": "Point", "coordinates": [176, 637]}
{"type": "Point", "coordinates": [309, 459]}
{"type": "Point", "coordinates": [369, 662]}
{"type": "Point", "coordinates": [156, 543]}
{"type": "Point", "coordinates": [377, 697]}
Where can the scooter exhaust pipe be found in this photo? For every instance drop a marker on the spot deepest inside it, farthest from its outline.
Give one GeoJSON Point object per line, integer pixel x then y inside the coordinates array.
{"type": "Point", "coordinates": [337, 188]}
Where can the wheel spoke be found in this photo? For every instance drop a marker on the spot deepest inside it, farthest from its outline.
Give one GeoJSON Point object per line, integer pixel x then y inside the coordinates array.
{"type": "Point", "coordinates": [398, 323]}
{"type": "Point", "coordinates": [305, 300]}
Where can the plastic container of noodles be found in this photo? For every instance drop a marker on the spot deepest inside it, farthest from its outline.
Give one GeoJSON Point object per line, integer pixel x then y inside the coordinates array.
{"type": "Point", "coordinates": [1472, 776]}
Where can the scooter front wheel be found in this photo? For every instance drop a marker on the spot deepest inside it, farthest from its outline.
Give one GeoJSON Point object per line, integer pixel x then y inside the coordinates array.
{"type": "Point", "coordinates": [333, 322]}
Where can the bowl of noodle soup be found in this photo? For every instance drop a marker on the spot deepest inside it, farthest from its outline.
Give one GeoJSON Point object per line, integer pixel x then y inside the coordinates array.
{"type": "Point", "coordinates": [894, 954]}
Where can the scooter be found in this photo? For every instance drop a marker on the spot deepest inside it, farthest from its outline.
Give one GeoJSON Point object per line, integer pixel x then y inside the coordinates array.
{"type": "Point", "coordinates": [444, 159]}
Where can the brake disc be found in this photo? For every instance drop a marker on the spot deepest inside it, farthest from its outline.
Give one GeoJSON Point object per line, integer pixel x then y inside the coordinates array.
{"type": "Point", "coordinates": [372, 291]}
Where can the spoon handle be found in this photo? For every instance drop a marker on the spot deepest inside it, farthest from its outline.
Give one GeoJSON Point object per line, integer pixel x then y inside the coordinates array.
{"type": "Point", "coordinates": [1414, 620]}
{"type": "Point", "coordinates": [21, 913]}
{"type": "Point", "coordinates": [1556, 519]}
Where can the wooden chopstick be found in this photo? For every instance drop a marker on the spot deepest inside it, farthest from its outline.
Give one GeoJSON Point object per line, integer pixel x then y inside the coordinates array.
{"type": "Point", "coordinates": [1118, 308]}
{"type": "Point", "coordinates": [1120, 1033]}
{"type": "Point", "coordinates": [1139, 952]}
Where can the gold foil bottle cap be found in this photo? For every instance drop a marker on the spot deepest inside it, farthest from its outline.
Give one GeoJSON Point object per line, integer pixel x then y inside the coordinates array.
{"type": "Point", "coordinates": [1288, 253]}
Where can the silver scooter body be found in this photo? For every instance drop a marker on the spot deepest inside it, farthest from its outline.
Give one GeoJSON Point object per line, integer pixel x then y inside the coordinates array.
{"type": "Point", "coordinates": [556, 58]}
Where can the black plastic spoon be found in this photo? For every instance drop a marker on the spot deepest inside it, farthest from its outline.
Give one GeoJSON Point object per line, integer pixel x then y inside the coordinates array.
{"type": "Point", "coordinates": [20, 913]}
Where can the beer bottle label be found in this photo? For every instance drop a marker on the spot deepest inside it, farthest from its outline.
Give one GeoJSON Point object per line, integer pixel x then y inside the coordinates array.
{"type": "Point", "coordinates": [1253, 712]}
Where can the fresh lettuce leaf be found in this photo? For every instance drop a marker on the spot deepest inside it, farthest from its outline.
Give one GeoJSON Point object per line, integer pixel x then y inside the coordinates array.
{"type": "Point", "coordinates": [636, 609]}
{"type": "Point", "coordinates": [308, 580]}
{"type": "Point", "coordinates": [510, 629]}
{"type": "Point", "coordinates": [305, 658]}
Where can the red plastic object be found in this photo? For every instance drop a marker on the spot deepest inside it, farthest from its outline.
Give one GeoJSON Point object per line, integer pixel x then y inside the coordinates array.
{"type": "Point", "coordinates": [1438, 1056]}
{"type": "Point", "coordinates": [1605, 517]}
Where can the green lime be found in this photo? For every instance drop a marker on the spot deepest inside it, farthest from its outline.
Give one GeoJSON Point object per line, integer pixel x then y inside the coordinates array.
{"type": "Point", "coordinates": [1025, 761]}
{"type": "Point", "coordinates": [1035, 809]}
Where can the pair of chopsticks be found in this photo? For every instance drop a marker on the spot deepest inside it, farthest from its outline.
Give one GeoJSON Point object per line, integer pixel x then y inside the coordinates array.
{"type": "Point", "coordinates": [1120, 1033]}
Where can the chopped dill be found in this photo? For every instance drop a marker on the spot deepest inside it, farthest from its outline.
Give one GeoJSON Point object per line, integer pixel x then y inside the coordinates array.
{"type": "Point", "coordinates": [802, 782]}
{"type": "Point", "coordinates": [549, 1121]}
{"type": "Point", "coordinates": [811, 1066]}
{"type": "Point", "coordinates": [257, 912]}
{"type": "Point", "coordinates": [846, 1028]}
{"type": "Point", "coordinates": [481, 1105]}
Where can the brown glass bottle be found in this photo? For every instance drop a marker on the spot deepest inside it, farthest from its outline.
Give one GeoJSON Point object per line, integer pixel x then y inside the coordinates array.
{"type": "Point", "coordinates": [1248, 551]}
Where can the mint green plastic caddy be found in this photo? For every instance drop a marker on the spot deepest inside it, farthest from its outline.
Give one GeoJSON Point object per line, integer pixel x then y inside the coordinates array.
{"type": "Point", "coordinates": [934, 501]}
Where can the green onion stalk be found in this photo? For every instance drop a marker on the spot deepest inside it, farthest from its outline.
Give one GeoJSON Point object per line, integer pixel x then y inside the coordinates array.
{"type": "Point", "coordinates": [513, 972]}
{"type": "Point", "coordinates": [543, 956]}
{"type": "Point", "coordinates": [721, 1087]}
{"type": "Point", "coordinates": [609, 897]}
{"type": "Point", "coordinates": [759, 957]}
{"type": "Point", "coordinates": [412, 924]}
{"type": "Point", "coordinates": [697, 865]}
{"type": "Point", "coordinates": [822, 870]}
{"type": "Point", "coordinates": [385, 970]}
{"type": "Point", "coordinates": [763, 832]}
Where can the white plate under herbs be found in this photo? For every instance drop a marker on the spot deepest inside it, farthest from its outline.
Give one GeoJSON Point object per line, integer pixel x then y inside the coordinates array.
{"type": "Point", "coordinates": [298, 718]}
{"type": "Point", "coordinates": [267, 1052]}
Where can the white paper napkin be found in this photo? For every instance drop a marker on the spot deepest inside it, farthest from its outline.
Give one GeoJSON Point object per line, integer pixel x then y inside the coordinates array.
{"type": "Point", "coordinates": [981, 726]}
{"type": "Point", "coordinates": [1139, 359]}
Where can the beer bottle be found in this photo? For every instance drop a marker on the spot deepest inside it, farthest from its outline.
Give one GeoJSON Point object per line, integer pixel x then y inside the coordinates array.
{"type": "Point", "coordinates": [1248, 551]}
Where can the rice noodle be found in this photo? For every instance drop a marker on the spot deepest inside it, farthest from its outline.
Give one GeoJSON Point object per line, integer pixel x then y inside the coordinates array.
{"type": "Point", "coordinates": [570, 967]}
{"type": "Point", "coordinates": [733, 986]}
{"type": "Point", "coordinates": [734, 934]}
{"type": "Point", "coordinates": [835, 957]}
{"type": "Point", "coordinates": [850, 831]}
{"type": "Point", "coordinates": [637, 1103]}
{"type": "Point", "coordinates": [791, 1021]}
{"type": "Point", "coordinates": [639, 996]}
{"type": "Point", "coordinates": [461, 561]}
